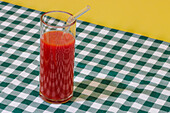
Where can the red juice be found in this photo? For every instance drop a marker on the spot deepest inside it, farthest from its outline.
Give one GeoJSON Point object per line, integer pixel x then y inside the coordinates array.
{"type": "Point", "coordinates": [56, 66]}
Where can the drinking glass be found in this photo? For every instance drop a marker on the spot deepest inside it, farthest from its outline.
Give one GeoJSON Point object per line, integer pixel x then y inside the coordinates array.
{"type": "Point", "coordinates": [57, 48]}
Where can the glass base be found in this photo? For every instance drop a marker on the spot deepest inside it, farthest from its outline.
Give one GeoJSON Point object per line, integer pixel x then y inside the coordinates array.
{"type": "Point", "coordinates": [55, 101]}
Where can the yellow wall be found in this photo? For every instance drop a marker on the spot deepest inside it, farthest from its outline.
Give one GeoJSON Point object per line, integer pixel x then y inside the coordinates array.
{"type": "Point", "coordinates": [147, 17]}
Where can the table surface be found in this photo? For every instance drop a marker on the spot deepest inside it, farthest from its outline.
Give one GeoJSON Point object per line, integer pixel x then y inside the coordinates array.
{"type": "Point", "coordinates": [115, 71]}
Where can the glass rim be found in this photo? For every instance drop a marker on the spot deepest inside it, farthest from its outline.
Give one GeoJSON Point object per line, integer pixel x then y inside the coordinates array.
{"type": "Point", "coordinates": [41, 19]}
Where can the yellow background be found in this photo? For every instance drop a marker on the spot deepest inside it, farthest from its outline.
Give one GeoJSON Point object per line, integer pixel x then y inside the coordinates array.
{"type": "Point", "coordinates": [147, 17]}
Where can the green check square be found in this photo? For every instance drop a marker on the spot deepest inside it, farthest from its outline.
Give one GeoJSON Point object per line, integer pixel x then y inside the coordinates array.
{"type": "Point", "coordinates": [19, 88]}
{"type": "Point", "coordinates": [17, 110]}
{"type": "Point", "coordinates": [131, 99]}
{"type": "Point", "coordinates": [2, 106]}
{"type": "Point", "coordinates": [5, 64]}
{"type": "Point", "coordinates": [16, 22]}
{"type": "Point", "coordinates": [4, 84]}
{"type": "Point", "coordinates": [34, 93]}
{"type": "Point", "coordinates": [8, 29]}
{"type": "Point", "coordinates": [42, 106]}
{"type": "Point", "coordinates": [125, 108]}
{"type": "Point", "coordinates": [148, 104]}
{"type": "Point", "coordinates": [84, 107]}
{"type": "Point", "coordinates": [27, 102]}
{"type": "Point", "coordinates": [10, 97]}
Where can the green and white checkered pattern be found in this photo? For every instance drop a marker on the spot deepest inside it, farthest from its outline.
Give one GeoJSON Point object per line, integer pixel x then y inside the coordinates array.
{"type": "Point", "coordinates": [115, 71]}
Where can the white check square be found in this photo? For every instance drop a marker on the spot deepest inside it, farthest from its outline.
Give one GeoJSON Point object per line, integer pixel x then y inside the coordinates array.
{"type": "Point", "coordinates": [149, 87]}
{"type": "Point", "coordinates": [20, 11]}
{"type": "Point", "coordinates": [134, 84]}
{"type": "Point", "coordinates": [25, 37]}
{"type": "Point", "coordinates": [12, 34]}
{"type": "Point", "coordinates": [160, 101]}
{"type": "Point", "coordinates": [105, 49]}
{"type": "Point", "coordinates": [165, 92]}
{"type": "Point", "coordinates": [33, 48]}
{"type": "Point", "coordinates": [120, 53]}
{"type": "Point", "coordinates": [23, 95]}
{"type": "Point", "coordinates": [83, 35]}
{"type": "Point", "coordinates": [163, 46]}
{"type": "Point", "coordinates": [110, 88]}
{"type": "Point", "coordinates": [127, 46]}
{"type": "Point", "coordinates": [161, 72]}
{"type": "Point", "coordinates": [8, 70]}
{"type": "Point", "coordinates": [78, 59]}
{"type": "Point", "coordinates": [84, 52]}
{"type": "Point", "coordinates": [32, 66]}
{"type": "Point", "coordinates": [32, 87]}
{"type": "Point", "coordinates": [103, 31]}
{"type": "Point", "coordinates": [24, 74]}
{"type": "Point", "coordinates": [71, 109]}
{"type": "Point", "coordinates": [25, 55]}
{"type": "Point", "coordinates": [77, 42]}
{"type": "Point", "coordinates": [167, 65]}
{"type": "Point", "coordinates": [2, 78]}
{"type": "Point", "coordinates": [154, 110]}
{"type": "Point", "coordinates": [14, 104]}
{"type": "Point", "coordinates": [97, 38]}
{"type": "Point", "coordinates": [78, 79]}
{"type": "Point", "coordinates": [120, 100]}
{"type": "Point", "coordinates": [26, 20]}
{"type": "Point", "coordinates": [13, 17]}
{"type": "Point", "coordinates": [99, 56]}
{"type": "Point", "coordinates": [136, 105]}
{"type": "Point", "coordinates": [33, 30]}
{"type": "Point", "coordinates": [1, 14]}
{"type": "Point", "coordinates": [7, 90]}
{"type": "Point", "coordinates": [96, 105]}
{"type": "Point", "coordinates": [85, 71]}
{"type": "Point", "coordinates": [118, 35]}
{"type": "Point", "coordinates": [94, 84]}
{"type": "Point", "coordinates": [87, 92]}
{"type": "Point", "coordinates": [10, 51]}
{"type": "Point", "coordinates": [33, 14]}
{"type": "Point", "coordinates": [136, 57]}
{"type": "Point", "coordinates": [18, 44]}
{"type": "Point", "coordinates": [89, 28]}
{"type": "Point", "coordinates": [5, 23]}
{"type": "Point", "coordinates": [19, 27]}
{"type": "Point", "coordinates": [111, 42]}
{"type": "Point", "coordinates": [146, 68]}
{"type": "Point", "coordinates": [131, 65]}
{"type": "Point", "coordinates": [156, 53]}
{"type": "Point", "coordinates": [7, 8]}
{"type": "Point", "coordinates": [142, 50]}
{"type": "Point", "coordinates": [114, 60]}
{"type": "Point", "coordinates": [102, 76]}
{"type": "Point", "coordinates": [108, 67]}
{"type": "Point", "coordinates": [156, 80]}
{"type": "Point", "coordinates": [2, 58]}
{"type": "Point", "coordinates": [4, 40]}
{"type": "Point", "coordinates": [30, 109]}
{"type": "Point", "coordinates": [148, 43]}
{"type": "Point", "coordinates": [133, 39]}
{"type": "Point", "coordinates": [16, 82]}
{"type": "Point", "coordinates": [91, 45]}
{"type": "Point", "coordinates": [92, 63]}
{"type": "Point", "coordinates": [112, 108]}
{"type": "Point", "coordinates": [151, 61]}
{"type": "Point", "coordinates": [143, 96]}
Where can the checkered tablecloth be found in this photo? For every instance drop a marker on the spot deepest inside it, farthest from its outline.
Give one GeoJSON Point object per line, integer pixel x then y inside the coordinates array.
{"type": "Point", "coordinates": [114, 71]}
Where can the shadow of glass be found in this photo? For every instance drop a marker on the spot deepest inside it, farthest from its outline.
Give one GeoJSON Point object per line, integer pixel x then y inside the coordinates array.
{"type": "Point", "coordinates": [96, 88]}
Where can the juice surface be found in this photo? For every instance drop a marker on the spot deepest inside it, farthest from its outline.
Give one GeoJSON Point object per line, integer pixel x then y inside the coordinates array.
{"type": "Point", "coordinates": [56, 65]}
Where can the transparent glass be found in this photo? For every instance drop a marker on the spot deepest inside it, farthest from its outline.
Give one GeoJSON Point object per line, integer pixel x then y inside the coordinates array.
{"type": "Point", "coordinates": [57, 47]}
